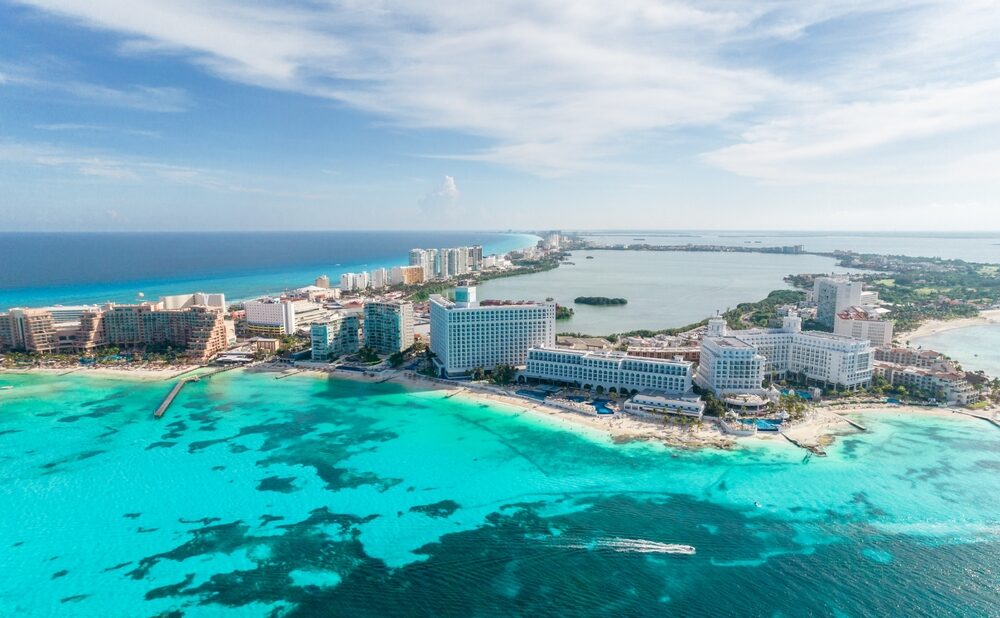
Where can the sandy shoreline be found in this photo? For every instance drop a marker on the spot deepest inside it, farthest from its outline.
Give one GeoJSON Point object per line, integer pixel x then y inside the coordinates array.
{"type": "Point", "coordinates": [817, 429]}
{"type": "Point", "coordinates": [933, 327]}
{"type": "Point", "coordinates": [130, 373]}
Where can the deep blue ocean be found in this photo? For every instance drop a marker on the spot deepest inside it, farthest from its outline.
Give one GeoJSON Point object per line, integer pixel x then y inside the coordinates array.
{"type": "Point", "coordinates": [47, 268]}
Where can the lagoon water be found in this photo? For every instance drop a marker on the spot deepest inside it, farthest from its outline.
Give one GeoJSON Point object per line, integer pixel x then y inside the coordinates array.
{"type": "Point", "coordinates": [663, 289]}
{"type": "Point", "coordinates": [977, 348]}
{"type": "Point", "coordinates": [315, 497]}
{"type": "Point", "coordinates": [39, 269]}
{"type": "Point", "coordinates": [969, 246]}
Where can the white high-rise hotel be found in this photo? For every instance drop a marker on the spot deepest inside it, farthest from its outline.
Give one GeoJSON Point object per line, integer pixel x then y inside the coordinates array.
{"type": "Point", "coordinates": [833, 295]}
{"type": "Point", "coordinates": [388, 326]}
{"type": "Point", "coordinates": [738, 361]}
{"type": "Point", "coordinates": [466, 335]}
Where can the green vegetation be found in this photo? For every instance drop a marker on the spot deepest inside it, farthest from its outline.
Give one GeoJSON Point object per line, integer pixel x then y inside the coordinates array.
{"type": "Point", "coordinates": [794, 405]}
{"type": "Point", "coordinates": [427, 367]}
{"type": "Point", "coordinates": [713, 405]}
{"type": "Point", "coordinates": [160, 353]}
{"type": "Point", "coordinates": [928, 288]}
{"type": "Point", "coordinates": [563, 313]}
{"type": "Point", "coordinates": [367, 355]}
{"type": "Point", "coordinates": [748, 315]}
{"type": "Point", "coordinates": [599, 300]}
{"type": "Point", "coordinates": [292, 343]}
{"type": "Point", "coordinates": [503, 374]}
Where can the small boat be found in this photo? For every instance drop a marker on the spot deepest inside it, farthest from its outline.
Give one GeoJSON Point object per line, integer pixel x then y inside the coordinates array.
{"type": "Point", "coordinates": [758, 504]}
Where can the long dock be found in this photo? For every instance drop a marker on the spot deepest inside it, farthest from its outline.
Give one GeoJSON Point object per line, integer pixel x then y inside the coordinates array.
{"type": "Point", "coordinates": [850, 422]}
{"type": "Point", "coordinates": [169, 399]}
{"type": "Point", "coordinates": [979, 416]}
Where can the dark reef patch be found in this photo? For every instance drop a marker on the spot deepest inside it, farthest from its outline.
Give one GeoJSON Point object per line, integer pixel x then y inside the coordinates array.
{"type": "Point", "coordinates": [161, 444]}
{"type": "Point", "coordinates": [266, 519]}
{"type": "Point", "coordinates": [442, 509]}
{"type": "Point", "coordinates": [120, 565]}
{"type": "Point", "coordinates": [205, 521]}
{"type": "Point", "coordinates": [97, 413]}
{"type": "Point", "coordinates": [170, 590]}
{"type": "Point", "coordinates": [515, 564]}
{"type": "Point", "coordinates": [74, 598]}
{"type": "Point", "coordinates": [50, 466]}
{"type": "Point", "coordinates": [285, 485]}
{"type": "Point", "coordinates": [59, 574]}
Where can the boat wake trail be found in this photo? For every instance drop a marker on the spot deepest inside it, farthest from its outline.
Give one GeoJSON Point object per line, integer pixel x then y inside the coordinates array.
{"type": "Point", "coordinates": [637, 546]}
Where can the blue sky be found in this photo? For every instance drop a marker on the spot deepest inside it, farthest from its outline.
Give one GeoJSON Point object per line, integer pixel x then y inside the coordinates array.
{"type": "Point", "coordinates": [181, 115]}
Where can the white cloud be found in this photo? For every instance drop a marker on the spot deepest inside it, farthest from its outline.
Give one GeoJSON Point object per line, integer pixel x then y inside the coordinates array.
{"type": "Point", "coordinates": [145, 98]}
{"type": "Point", "coordinates": [441, 202]}
{"type": "Point", "coordinates": [564, 86]}
{"type": "Point", "coordinates": [94, 128]}
{"type": "Point", "coordinates": [829, 143]}
{"type": "Point", "coordinates": [556, 86]}
{"type": "Point", "coordinates": [106, 167]}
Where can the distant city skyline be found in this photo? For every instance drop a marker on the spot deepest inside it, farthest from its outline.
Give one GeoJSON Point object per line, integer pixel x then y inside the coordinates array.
{"type": "Point", "coordinates": [183, 116]}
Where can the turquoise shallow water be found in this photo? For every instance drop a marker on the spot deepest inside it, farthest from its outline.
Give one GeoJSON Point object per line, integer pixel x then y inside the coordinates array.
{"type": "Point", "coordinates": [315, 497]}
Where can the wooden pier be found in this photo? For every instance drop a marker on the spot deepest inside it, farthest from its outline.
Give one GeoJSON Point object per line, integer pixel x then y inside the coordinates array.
{"type": "Point", "coordinates": [180, 384]}
{"type": "Point", "coordinates": [169, 399]}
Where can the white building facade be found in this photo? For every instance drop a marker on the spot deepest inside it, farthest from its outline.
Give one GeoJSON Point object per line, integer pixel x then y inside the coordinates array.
{"type": "Point", "coordinates": [727, 362]}
{"type": "Point", "coordinates": [270, 316]}
{"type": "Point", "coordinates": [833, 295]}
{"type": "Point", "coordinates": [465, 335]}
{"type": "Point", "coordinates": [861, 323]}
{"type": "Point", "coordinates": [652, 406]}
{"type": "Point", "coordinates": [609, 370]}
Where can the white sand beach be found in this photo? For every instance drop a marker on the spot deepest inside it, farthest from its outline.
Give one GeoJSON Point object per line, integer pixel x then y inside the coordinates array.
{"type": "Point", "coordinates": [130, 372]}
{"type": "Point", "coordinates": [933, 327]}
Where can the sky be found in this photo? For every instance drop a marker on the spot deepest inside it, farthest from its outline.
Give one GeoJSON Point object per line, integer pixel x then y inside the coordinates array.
{"type": "Point", "coordinates": [575, 114]}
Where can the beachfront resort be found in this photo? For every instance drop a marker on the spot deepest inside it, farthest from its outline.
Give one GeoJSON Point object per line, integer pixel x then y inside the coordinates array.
{"type": "Point", "coordinates": [424, 321]}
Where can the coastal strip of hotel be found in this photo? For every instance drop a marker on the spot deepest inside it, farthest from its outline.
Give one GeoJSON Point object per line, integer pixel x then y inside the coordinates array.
{"type": "Point", "coordinates": [467, 336]}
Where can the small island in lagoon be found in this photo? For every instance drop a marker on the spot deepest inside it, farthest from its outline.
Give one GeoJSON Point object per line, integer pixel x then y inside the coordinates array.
{"type": "Point", "coordinates": [599, 300]}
